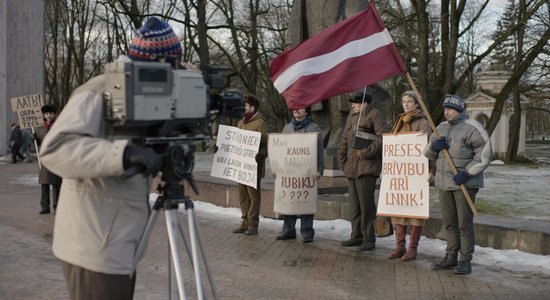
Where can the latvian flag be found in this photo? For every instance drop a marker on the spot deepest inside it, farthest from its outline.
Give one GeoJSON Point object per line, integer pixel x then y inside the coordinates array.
{"type": "Point", "coordinates": [352, 54]}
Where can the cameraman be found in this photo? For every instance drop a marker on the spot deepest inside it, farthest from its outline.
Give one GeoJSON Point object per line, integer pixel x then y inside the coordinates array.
{"type": "Point", "coordinates": [101, 218]}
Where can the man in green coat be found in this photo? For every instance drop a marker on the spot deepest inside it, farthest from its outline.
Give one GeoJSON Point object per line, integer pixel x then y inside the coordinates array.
{"type": "Point", "coordinates": [249, 197]}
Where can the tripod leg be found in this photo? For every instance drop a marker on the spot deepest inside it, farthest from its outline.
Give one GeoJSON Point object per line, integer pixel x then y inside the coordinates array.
{"type": "Point", "coordinates": [194, 251]}
{"type": "Point", "coordinates": [144, 238]}
{"type": "Point", "coordinates": [171, 224]}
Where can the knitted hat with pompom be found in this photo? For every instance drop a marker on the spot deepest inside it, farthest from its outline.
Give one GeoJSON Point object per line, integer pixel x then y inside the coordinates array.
{"type": "Point", "coordinates": [153, 41]}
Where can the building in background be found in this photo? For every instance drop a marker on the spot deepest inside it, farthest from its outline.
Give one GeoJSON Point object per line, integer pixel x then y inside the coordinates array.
{"type": "Point", "coordinates": [479, 106]}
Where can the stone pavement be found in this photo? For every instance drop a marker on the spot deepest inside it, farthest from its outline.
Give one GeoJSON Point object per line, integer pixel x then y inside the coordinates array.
{"type": "Point", "coordinates": [253, 267]}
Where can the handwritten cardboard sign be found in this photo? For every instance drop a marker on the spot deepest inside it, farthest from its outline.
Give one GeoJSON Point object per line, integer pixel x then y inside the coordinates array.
{"type": "Point", "coordinates": [236, 156]}
{"type": "Point", "coordinates": [404, 186]}
{"type": "Point", "coordinates": [293, 159]}
{"type": "Point", "coordinates": [28, 109]}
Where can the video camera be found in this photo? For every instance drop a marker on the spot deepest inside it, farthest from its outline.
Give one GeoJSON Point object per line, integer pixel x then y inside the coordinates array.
{"type": "Point", "coordinates": [151, 94]}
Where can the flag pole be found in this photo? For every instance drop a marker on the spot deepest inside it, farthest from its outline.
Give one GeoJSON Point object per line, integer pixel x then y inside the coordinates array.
{"type": "Point", "coordinates": [437, 135]}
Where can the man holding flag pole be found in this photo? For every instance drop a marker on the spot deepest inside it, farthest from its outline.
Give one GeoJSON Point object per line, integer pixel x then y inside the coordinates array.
{"type": "Point", "coordinates": [345, 57]}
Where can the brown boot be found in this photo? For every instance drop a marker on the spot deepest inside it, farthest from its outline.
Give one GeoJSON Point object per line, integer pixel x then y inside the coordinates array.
{"type": "Point", "coordinates": [416, 232]}
{"type": "Point", "coordinates": [243, 227]}
{"type": "Point", "coordinates": [400, 233]}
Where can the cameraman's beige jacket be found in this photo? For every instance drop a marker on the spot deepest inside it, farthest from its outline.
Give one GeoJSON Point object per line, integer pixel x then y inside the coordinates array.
{"type": "Point", "coordinates": [100, 217]}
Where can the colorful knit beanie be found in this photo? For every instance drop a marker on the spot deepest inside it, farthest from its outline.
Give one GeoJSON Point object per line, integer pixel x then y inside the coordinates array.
{"type": "Point", "coordinates": [454, 102]}
{"type": "Point", "coordinates": [153, 41]}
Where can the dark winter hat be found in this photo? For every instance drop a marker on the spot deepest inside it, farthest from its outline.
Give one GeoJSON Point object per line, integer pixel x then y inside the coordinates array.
{"type": "Point", "coordinates": [48, 108]}
{"type": "Point", "coordinates": [358, 97]}
{"type": "Point", "coordinates": [454, 102]}
{"type": "Point", "coordinates": [155, 40]}
{"type": "Point", "coordinates": [252, 101]}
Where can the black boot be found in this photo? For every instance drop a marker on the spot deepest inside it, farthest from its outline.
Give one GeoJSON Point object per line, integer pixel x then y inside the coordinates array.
{"type": "Point", "coordinates": [464, 268]}
{"type": "Point", "coordinates": [448, 262]}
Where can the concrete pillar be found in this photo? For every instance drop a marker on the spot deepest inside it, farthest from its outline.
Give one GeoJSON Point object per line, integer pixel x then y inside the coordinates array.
{"type": "Point", "coordinates": [21, 57]}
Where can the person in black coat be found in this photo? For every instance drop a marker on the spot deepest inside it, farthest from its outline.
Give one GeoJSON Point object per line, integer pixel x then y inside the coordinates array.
{"type": "Point", "coordinates": [16, 141]}
{"type": "Point", "coordinates": [46, 177]}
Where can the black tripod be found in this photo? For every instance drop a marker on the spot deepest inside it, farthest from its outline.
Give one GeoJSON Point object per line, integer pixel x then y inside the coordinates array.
{"type": "Point", "coordinates": [177, 164]}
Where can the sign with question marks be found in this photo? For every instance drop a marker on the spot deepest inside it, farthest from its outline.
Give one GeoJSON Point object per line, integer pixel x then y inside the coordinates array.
{"type": "Point", "coordinates": [293, 160]}
{"type": "Point", "coordinates": [235, 158]}
{"type": "Point", "coordinates": [404, 186]}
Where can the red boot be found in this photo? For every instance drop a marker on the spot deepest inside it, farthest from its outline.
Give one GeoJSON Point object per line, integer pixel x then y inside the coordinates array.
{"type": "Point", "coordinates": [400, 233]}
{"type": "Point", "coordinates": [416, 232]}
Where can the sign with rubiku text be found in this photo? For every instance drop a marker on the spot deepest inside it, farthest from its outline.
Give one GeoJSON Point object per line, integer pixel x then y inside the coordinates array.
{"type": "Point", "coordinates": [293, 160]}
{"type": "Point", "coordinates": [28, 110]}
{"type": "Point", "coordinates": [236, 156]}
{"type": "Point", "coordinates": [404, 186]}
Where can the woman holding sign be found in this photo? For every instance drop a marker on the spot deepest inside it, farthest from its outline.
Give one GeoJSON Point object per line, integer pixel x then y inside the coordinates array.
{"type": "Point", "coordinates": [411, 120]}
{"type": "Point", "coordinates": [302, 123]}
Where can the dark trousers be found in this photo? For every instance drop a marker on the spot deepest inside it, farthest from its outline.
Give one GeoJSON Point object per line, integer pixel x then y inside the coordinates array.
{"type": "Point", "coordinates": [458, 222]}
{"type": "Point", "coordinates": [306, 226]}
{"type": "Point", "coordinates": [84, 284]}
{"type": "Point", "coordinates": [45, 198]}
{"type": "Point", "coordinates": [15, 153]}
{"type": "Point", "coordinates": [362, 208]}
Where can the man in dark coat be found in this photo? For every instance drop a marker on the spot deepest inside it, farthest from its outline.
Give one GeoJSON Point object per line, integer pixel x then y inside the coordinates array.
{"type": "Point", "coordinates": [16, 141]}
{"type": "Point", "coordinates": [46, 177]}
{"type": "Point", "coordinates": [360, 157]}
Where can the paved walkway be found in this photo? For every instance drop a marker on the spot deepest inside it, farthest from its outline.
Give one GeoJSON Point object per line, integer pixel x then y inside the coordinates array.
{"type": "Point", "coordinates": [244, 267]}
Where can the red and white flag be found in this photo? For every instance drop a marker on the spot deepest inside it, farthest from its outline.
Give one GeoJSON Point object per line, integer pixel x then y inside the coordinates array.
{"type": "Point", "coordinates": [349, 55]}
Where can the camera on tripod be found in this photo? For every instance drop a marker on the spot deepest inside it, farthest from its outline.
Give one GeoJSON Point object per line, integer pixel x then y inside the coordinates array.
{"type": "Point", "coordinates": [166, 110]}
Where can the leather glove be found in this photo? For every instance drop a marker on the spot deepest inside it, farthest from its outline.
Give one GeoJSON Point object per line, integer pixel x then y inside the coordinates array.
{"type": "Point", "coordinates": [146, 160]}
{"type": "Point", "coordinates": [461, 177]}
{"type": "Point", "coordinates": [318, 176]}
{"type": "Point", "coordinates": [259, 157]}
{"type": "Point", "coordinates": [440, 144]}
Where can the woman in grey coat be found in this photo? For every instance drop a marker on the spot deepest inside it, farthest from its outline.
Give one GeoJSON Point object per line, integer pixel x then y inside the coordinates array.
{"type": "Point", "coordinates": [302, 123]}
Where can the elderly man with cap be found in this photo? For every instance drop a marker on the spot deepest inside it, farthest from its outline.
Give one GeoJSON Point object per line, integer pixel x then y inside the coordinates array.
{"type": "Point", "coordinates": [360, 157]}
{"type": "Point", "coordinates": [470, 149]}
{"type": "Point", "coordinates": [101, 217]}
{"type": "Point", "coordinates": [249, 197]}
{"type": "Point", "coordinates": [46, 177]}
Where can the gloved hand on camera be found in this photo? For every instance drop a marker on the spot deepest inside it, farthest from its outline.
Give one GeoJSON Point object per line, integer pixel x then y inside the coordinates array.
{"type": "Point", "coordinates": [461, 177]}
{"type": "Point", "coordinates": [440, 144]}
{"type": "Point", "coordinates": [146, 160]}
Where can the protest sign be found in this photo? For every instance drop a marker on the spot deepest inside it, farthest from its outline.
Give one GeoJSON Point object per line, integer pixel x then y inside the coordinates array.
{"type": "Point", "coordinates": [293, 158]}
{"type": "Point", "coordinates": [235, 158]}
{"type": "Point", "coordinates": [404, 187]}
{"type": "Point", "coordinates": [28, 110]}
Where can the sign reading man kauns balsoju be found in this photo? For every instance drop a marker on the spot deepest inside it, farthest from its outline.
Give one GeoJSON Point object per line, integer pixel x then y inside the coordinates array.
{"type": "Point", "coordinates": [293, 158]}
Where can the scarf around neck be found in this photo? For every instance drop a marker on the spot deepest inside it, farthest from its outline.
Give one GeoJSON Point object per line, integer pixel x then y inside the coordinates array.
{"type": "Point", "coordinates": [249, 116]}
{"type": "Point", "coordinates": [297, 125]}
{"type": "Point", "coordinates": [48, 125]}
{"type": "Point", "coordinates": [404, 121]}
